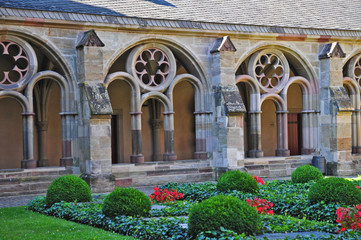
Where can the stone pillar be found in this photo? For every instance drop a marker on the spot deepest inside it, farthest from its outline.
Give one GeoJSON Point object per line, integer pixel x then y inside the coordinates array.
{"type": "Point", "coordinates": [201, 152]}
{"type": "Point", "coordinates": [357, 124]}
{"type": "Point", "coordinates": [282, 134]}
{"type": "Point", "coordinates": [42, 127]}
{"type": "Point", "coordinates": [156, 124]}
{"type": "Point", "coordinates": [228, 139]}
{"type": "Point", "coordinates": [137, 156]}
{"type": "Point", "coordinates": [169, 154]}
{"type": "Point", "coordinates": [67, 119]}
{"type": "Point", "coordinates": [255, 145]}
{"type": "Point", "coordinates": [95, 129]}
{"type": "Point", "coordinates": [336, 139]}
{"type": "Point", "coordinates": [28, 141]}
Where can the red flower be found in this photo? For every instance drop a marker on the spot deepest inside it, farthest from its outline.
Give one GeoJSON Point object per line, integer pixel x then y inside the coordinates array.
{"type": "Point", "coordinates": [261, 205]}
{"type": "Point", "coordinates": [165, 195]}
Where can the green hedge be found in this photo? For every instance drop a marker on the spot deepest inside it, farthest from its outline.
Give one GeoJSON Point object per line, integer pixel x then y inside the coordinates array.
{"type": "Point", "coordinates": [237, 180]}
{"type": "Point", "coordinates": [128, 202]}
{"type": "Point", "coordinates": [68, 188]}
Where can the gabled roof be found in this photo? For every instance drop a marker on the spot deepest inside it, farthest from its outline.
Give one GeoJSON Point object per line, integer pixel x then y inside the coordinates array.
{"type": "Point", "coordinates": [306, 14]}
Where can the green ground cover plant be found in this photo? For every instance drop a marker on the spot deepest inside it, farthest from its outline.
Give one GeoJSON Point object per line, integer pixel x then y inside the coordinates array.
{"type": "Point", "coordinates": [293, 213]}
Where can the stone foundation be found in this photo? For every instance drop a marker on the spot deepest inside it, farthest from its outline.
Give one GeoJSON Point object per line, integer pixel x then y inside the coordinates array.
{"type": "Point", "coordinates": [158, 173]}
{"type": "Point", "coordinates": [28, 181]}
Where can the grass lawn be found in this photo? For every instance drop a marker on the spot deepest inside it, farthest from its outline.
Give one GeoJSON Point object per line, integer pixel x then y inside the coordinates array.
{"type": "Point", "coordinates": [18, 223]}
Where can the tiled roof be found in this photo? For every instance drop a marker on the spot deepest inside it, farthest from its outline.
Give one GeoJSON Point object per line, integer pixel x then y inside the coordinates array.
{"type": "Point", "coordinates": [305, 14]}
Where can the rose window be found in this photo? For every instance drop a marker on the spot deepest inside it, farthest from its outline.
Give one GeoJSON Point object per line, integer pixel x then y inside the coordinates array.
{"type": "Point", "coordinates": [14, 63]}
{"type": "Point", "coordinates": [269, 71]}
{"type": "Point", "coordinates": [152, 67]}
{"type": "Point", "coordinates": [357, 71]}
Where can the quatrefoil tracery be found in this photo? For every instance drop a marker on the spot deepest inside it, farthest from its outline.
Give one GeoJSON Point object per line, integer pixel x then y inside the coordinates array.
{"type": "Point", "coordinates": [152, 67]}
{"type": "Point", "coordinates": [14, 63]}
{"type": "Point", "coordinates": [269, 70]}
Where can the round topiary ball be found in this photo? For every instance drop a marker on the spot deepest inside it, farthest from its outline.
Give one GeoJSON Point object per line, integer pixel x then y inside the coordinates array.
{"type": "Point", "coordinates": [68, 188]}
{"type": "Point", "coordinates": [237, 180]}
{"type": "Point", "coordinates": [126, 201]}
{"type": "Point", "coordinates": [223, 211]}
{"type": "Point", "coordinates": [334, 190]}
{"type": "Point", "coordinates": [305, 174]}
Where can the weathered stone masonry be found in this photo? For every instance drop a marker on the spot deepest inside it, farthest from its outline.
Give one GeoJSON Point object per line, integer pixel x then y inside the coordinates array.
{"type": "Point", "coordinates": [132, 98]}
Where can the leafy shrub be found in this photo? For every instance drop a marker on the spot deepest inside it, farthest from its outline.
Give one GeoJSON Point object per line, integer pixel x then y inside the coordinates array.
{"type": "Point", "coordinates": [126, 201]}
{"type": "Point", "coordinates": [237, 180]}
{"type": "Point", "coordinates": [68, 188]}
{"type": "Point", "coordinates": [305, 174]}
{"type": "Point", "coordinates": [223, 211]}
{"type": "Point", "coordinates": [193, 191]}
{"type": "Point", "coordinates": [334, 190]}
{"type": "Point", "coordinates": [37, 204]}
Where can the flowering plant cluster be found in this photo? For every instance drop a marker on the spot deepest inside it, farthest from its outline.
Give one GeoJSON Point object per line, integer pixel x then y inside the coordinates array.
{"type": "Point", "coordinates": [358, 188]}
{"type": "Point", "coordinates": [165, 195]}
{"type": "Point", "coordinates": [261, 205]}
{"type": "Point", "coordinates": [349, 218]}
{"type": "Point", "coordinates": [258, 179]}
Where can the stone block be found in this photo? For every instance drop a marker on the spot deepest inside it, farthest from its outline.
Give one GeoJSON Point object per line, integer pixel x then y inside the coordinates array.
{"type": "Point", "coordinates": [126, 182]}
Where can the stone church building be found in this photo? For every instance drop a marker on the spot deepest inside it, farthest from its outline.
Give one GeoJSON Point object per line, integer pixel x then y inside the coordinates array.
{"type": "Point", "coordinates": [142, 92]}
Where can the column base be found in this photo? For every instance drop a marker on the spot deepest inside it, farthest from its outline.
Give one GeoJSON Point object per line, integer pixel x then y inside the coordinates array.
{"type": "Point", "coordinates": [43, 162]}
{"type": "Point", "coordinates": [307, 151]}
{"type": "Point", "coordinates": [169, 157]}
{"type": "Point", "coordinates": [255, 153]}
{"type": "Point", "coordinates": [356, 149]}
{"type": "Point", "coordinates": [137, 158]}
{"type": "Point", "coordinates": [201, 155]}
{"type": "Point", "coordinates": [28, 163]}
{"type": "Point", "coordinates": [282, 152]}
{"type": "Point", "coordinates": [66, 161]}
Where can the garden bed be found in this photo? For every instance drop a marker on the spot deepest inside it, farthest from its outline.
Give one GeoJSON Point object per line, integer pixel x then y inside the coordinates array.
{"type": "Point", "coordinates": [292, 213]}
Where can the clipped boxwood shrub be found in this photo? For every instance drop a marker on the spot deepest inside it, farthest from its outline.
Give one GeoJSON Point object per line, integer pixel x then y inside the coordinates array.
{"type": "Point", "coordinates": [237, 180]}
{"type": "Point", "coordinates": [334, 190]}
{"type": "Point", "coordinates": [126, 201]}
{"type": "Point", "coordinates": [305, 174]}
{"type": "Point", "coordinates": [223, 211]}
{"type": "Point", "coordinates": [68, 188]}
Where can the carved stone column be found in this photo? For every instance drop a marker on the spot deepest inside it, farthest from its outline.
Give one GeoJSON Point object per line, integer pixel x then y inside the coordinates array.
{"type": "Point", "coordinates": [28, 141]}
{"type": "Point", "coordinates": [156, 125]}
{"type": "Point", "coordinates": [201, 152]}
{"type": "Point", "coordinates": [42, 128]}
{"type": "Point", "coordinates": [255, 144]}
{"type": "Point", "coordinates": [169, 154]}
{"type": "Point", "coordinates": [136, 122]}
{"type": "Point", "coordinates": [282, 134]}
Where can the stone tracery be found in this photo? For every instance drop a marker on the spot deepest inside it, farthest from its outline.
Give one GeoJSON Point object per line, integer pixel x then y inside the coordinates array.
{"type": "Point", "coordinates": [17, 63]}
{"type": "Point", "coordinates": [269, 70]}
{"type": "Point", "coordinates": [152, 66]}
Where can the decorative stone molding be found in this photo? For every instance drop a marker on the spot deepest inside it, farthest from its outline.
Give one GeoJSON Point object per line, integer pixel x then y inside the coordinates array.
{"type": "Point", "coordinates": [354, 69]}
{"type": "Point", "coordinates": [90, 39]}
{"type": "Point", "coordinates": [270, 69]}
{"type": "Point", "coordinates": [331, 50]}
{"type": "Point", "coordinates": [153, 65]}
{"type": "Point", "coordinates": [223, 44]}
{"type": "Point", "coordinates": [18, 63]}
